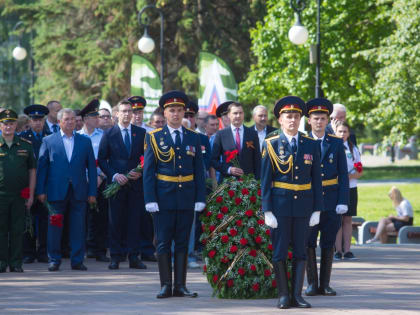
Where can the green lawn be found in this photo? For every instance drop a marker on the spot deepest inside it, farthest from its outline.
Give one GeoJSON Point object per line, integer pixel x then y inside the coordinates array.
{"type": "Point", "coordinates": [374, 202]}
{"type": "Point", "coordinates": [390, 172]}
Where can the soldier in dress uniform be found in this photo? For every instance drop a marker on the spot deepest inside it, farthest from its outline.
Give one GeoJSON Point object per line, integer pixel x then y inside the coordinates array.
{"type": "Point", "coordinates": [17, 172]}
{"type": "Point", "coordinates": [335, 186]}
{"type": "Point", "coordinates": [174, 187]}
{"type": "Point", "coordinates": [139, 103]}
{"type": "Point", "coordinates": [39, 212]}
{"type": "Point", "coordinates": [291, 195]}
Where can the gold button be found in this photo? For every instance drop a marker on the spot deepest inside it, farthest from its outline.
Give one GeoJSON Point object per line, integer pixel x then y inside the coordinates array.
{"type": "Point", "coordinates": [296, 177]}
{"type": "Point", "coordinates": [180, 186]}
{"type": "Point", "coordinates": [322, 174]}
{"type": "Point", "coordinates": [323, 192]}
{"type": "Point", "coordinates": [295, 196]}
{"type": "Point", "coordinates": [179, 157]}
{"type": "Point", "coordinates": [177, 148]}
{"type": "Point", "coordinates": [322, 165]}
{"type": "Point", "coordinates": [180, 166]}
{"type": "Point", "coordinates": [297, 167]}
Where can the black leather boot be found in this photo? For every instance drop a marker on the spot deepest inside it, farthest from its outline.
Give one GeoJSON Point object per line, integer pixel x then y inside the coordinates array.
{"type": "Point", "coordinates": [180, 266]}
{"type": "Point", "coordinates": [311, 272]}
{"type": "Point", "coordinates": [165, 275]}
{"type": "Point", "coordinates": [327, 255]}
{"type": "Point", "coordinates": [298, 275]}
{"type": "Point", "coordinates": [280, 271]}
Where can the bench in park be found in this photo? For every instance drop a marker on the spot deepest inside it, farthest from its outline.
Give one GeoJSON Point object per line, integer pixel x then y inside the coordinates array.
{"type": "Point", "coordinates": [406, 235]}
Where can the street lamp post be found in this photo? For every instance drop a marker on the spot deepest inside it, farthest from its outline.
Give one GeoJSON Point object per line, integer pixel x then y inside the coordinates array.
{"type": "Point", "coordinates": [146, 44]}
{"type": "Point", "coordinates": [298, 35]}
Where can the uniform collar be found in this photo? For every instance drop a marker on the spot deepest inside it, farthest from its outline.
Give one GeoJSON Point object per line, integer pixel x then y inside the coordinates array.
{"type": "Point", "coordinates": [171, 130]}
{"type": "Point", "coordinates": [316, 138]}
{"type": "Point", "coordinates": [289, 138]}
{"type": "Point", "coordinates": [15, 140]}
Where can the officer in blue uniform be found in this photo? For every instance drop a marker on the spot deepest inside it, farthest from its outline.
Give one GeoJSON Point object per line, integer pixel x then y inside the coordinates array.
{"type": "Point", "coordinates": [174, 187]}
{"type": "Point", "coordinates": [291, 195]}
{"type": "Point", "coordinates": [39, 212]}
{"type": "Point", "coordinates": [335, 186]}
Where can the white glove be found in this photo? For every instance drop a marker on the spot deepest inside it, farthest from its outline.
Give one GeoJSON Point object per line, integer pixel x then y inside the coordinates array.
{"type": "Point", "coordinates": [270, 219]}
{"type": "Point", "coordinates": [314, 220]}
{"type": "Point", "coordinates": [199, 206]}
{"type": "Point", "coordinates": [341, 209]}
{"type": "Point", "coordinates": [152, 207]}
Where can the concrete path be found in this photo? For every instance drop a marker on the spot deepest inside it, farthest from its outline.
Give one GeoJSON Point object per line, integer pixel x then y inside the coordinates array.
{"type": "Point", "coordinates": [385, 280]}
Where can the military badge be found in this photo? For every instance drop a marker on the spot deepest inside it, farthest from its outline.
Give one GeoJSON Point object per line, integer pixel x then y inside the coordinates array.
{"type": "Point", "coordinates": [331, 157]}
{"type": "Point", "coordinates": [203, 149]}
{"type": "Point", "coordinates": [307, 159]}
{"type": "Point", "coordinates": [190, 150]}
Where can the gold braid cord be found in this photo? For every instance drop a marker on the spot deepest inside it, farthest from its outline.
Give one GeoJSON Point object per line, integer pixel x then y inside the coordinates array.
{"type": "Point", "coordinates": [162, 156]}
{"type": "Point", "coordinates": [276, 161]}
{"type": "Point", "coordinates": [235, 260]}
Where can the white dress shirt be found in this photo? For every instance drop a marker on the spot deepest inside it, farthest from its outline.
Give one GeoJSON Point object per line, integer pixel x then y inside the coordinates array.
{"type": "Point", "coordinates": [173, 134]}
{"type": "Point", "coordinates": [50, 125]}
{"type": "Point", "coordinates": [123, 132]}
{"type": "Point", "coordinates": [261, 136]}
{"type": "Point", "coordinates": [68, 144]}
{"type": "Point", "coordinates": [289, 138]}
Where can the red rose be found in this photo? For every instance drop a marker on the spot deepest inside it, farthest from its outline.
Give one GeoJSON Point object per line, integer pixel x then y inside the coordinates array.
{"type": "Point", "coordinates": [249, 213]}
{"type": "Point", "coordinates": [243, 241]}
{"type": "Point", "coordinates": [270, 246]}
{"type": "Point", "coordinates": [220, 216]}
{"type": "Point", "coordinates": [215, 278]}
{"type": "Point", "coordinates": [253, 199]}
{"type": "Point", "coordinates": [253, 252]}
{"type": "Point", "coordinates": [288, 275]}
{"type": "Point", "coordinates": [224, 209]}
{"type": "Point", "coordinates": [224, 239]}
{"type": "Point", "coordinates": [238, 201]}
{"type": "Point", "coordinates": [245, 191]}
{"type": "Point", "coordinates": [233, 232]}
{"type": "Point", "coordinates": [268, 232]}
{"type": "Point", "coordinates": [212, 228]}
{"type": "Point", "coordinates": [204, 241]}
{"type": "Point", "coordinates": [24, 193]}
{"type": "Point", "coordinates": [56, 220]}
{"type": "Point", "coordinates": [233, 249]}
{"type": "Point", "coordinates": [290, 255]}
{"type": "Point", "coordinates": [239, 223]}
{"type": "Point", "coordinates": [251, 230]}
{"type": "Point", "coordinates": [212, 253]}
{"type": "Point", "coordinates": [224, 260]}
{"type": "Point", "coordinates": [240, 179]}
{"type": "Point", "coordinates": [142, 161]}
{"type": "Point", "coordinates": [229, 283]}
{"type": "Point", "coordinates": [209, 213]}
{"type": "Point", "coordinates": [274, 284]}
{"type": "Point", "coordinates": [205, 268]}
{"type": "Point", "coordinates": [241, 271]}
{"type": "Point", "coordinates": [267, 272]}
{"type": "Point", "coordinates": [260, 222]}
{"type": "Point", "coordinates": [259, 192]}
{"type": "Point", "coordinates": [253, 268]}
{"type": "Point", "coordinates": [231, 193]}
{"type": "Point", "coordinates": [258, 239]}
{"type": "Point", "coordinates": [219, 199]}
{"type": "Point", "coordinates": [256, 287]}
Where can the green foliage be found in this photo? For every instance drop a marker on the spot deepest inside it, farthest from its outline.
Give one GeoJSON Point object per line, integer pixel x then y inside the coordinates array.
{"type": "Point", "coordinates": [390, 172]}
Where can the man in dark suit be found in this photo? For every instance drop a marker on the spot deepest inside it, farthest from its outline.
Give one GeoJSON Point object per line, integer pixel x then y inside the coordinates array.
{"type": "Point", "coordinates": [119, 154]}
{"type": "Point", "coordinates": [174, 187]}
{"type": "Point", "coordinates": [260, 117]}
{"type": "Point", "coordinates": [64, 157]}
{"type": "Point", "coordinates": [39, 212]}
{"type": "Point", "coordinates": [51, 124]}
{"type": "Point", "coordinates": [335, 186]}
{"type": "Point", "coordinates": [237, 137]}
{"type": "Point", "coordinates": [291, 195]}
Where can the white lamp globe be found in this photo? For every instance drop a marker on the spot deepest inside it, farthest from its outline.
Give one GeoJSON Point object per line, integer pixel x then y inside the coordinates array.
{"type": "Point", "coordinates": [19, 53]}
{"type": "Point", "coordinates": [146, 44]}
{"type": "Point", "coordinates": [298, 34]}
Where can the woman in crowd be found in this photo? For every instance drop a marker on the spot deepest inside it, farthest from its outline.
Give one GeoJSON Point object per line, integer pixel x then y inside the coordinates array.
{"type": "Point", "coordinates": [394, 223]}
{"type": "Point", "coordinates": [354, 166]}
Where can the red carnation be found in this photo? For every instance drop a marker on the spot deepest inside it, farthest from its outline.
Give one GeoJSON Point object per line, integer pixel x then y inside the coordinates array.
{"type": "Point", "coordinates": [268, 232]}
{"type": "Point", "coordinates": [24, 193]}
{"type": "Point", "coordinates": [249, 213]}
{"type": "Point", "coordinates": [212, 228]}
{"type": "Point", "coordinates": [274, 284]}
{"type": "Point", "coordinates": [220, 216]}
{"type": "Point", "coordinates": [267, 272]}
{"type": "Point", "coordinates": [209, 213]}
{"type": "Point", "coordinates": [253, 268]}
{"type": "Point", "coordinates": [253, 252]}
{"type": "Point", "coordinates": [224, 209]}
{"type": "Point", "coordinates": [229, 283]}
{"type": "Point", "coordinates": [224, 260]}
{"type": "Point", "coordinates": [215, 278]}
{"type": "Point", "coordinates": [288, 275]}
{"type": "Point", "coordinates": [290, 255]}
{"type": "Point", "coordinates": [260, 222]}
{"type": "Point", "coordinates": [259, 192]}
{"type": "Point", "coordinates": [233, 232]}
{"type": "Point", "coordinates": [256, 287]}
{"type": "Point", "coordinates": [238, 223]}
{"type": "Point", "coordinates": [270, 246]}
{"type": "Point", "coordinates": [245, 191]}
{"type": "Point", "coordinates": [224, 239]}
{"type": "Point", "coordinates": [219, 199]}
{"type": "Point", "coordinates": [231, 193]}
{"type": "Point", "coordinates": [238, 201]}
{"type": "Point", "coordinates": [241, 271]}
{"type": "Point", "coordinates": [142, 161]}
{"type": "Point", "coordinates": [243, 241]}
{"type": "Point", "coordinates": [204, 241]}
{"type": "Point", "coordinates": [212, 253]}
{"type": "Point", "coordinates": [56, 220]}
{"type": "Point", "coordinates": [258, 239]}
{"type": "Point", "coordinates": [230, 155]}
{"type": "Point", "coordinates": [205, 268]}
{"type": "Point", "coordinates": [251, 230]}
{"type": "Point", "coordinates": [233, 249]}
{"type": "Point", "coordinates": [253, 199]}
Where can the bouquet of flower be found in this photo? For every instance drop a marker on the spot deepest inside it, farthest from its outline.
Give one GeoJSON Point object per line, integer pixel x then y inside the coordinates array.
{"type": "Point", "coordinates": [112, 189]}
{"type": "Point", "coordinates": [231, 156]}
{"type": "Point", "coordinates": [358, 167]}
{"type": "Point", "coordinates": [56, 219]}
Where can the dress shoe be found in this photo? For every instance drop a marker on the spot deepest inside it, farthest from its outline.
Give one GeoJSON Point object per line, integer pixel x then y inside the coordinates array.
{"type": "Point", "coordinates": [102, 258]}
{"type": "Point", "coordinates": [136, 264]}
{"type": "Point", "coordinates": [16, 269]}
{"type": "Point", "coordinates": [80, 267]}
{"type": "Point", "coordinates": [28, 260]}
{"type": "Point", "coordinates": [53, 267]}
{"type": "Point", "coordinates": [148, 258]}
{"type": "Point", "coordinates": [42, 258]}
{"type": "Point", "coordinates": [180, 273]}
{"type": "Point", "coordinates": [114, 265]}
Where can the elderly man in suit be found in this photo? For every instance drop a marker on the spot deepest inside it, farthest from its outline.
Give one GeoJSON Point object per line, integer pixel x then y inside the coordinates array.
{"type": "Point", "coordinates": [260, 117]}
{"type": "Point", "coordinates": [237, 137]}
{"type": "Point", "coordinates": [119, 154]}
{"type": "Point", "coordinates": [64, 157]}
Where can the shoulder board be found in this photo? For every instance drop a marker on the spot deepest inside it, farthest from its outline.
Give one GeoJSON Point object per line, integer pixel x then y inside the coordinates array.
{"type": "Point", "coordinates": [191, 130]}
{"type": "Point", "coordinates": [156, 130]}
{"type": "Point", "coordinates": [334, 136]}
{"type": "Point", "coordinates": [271, 134]}
{"type": "Point", "coordinates": [305, 136]}
{"type": "Point", "coordinates": [272, 138]}
{"type": "Point", "coordinates": [26, 140]}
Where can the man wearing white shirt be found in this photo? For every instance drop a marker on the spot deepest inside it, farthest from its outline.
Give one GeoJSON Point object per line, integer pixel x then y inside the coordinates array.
{"type": "Point", "coordinates": [260, 117]}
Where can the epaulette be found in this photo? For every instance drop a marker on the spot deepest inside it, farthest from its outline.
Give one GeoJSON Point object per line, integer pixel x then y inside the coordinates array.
{"type": "Point", "coordinates": [331, 135]}
{"type": "Point", "coordinates": [156, 130]}
{"type": "Point", "coordinates": [305, 136]}
{"type": "Point", "coordinates": [26, 140]}
{"type": "Point", "coordinates": [271, 138]}
{"type": "Point", "coordinates": [271, 134]}
{"type": "Point", "coordinates": [191, 130]}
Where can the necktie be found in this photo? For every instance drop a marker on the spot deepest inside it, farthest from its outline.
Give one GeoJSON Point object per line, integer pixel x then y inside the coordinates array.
{"type": "Point", "coordinates": [238, 141]}
{"type": "Point", "coordinates": [55, 128]}
{"type": "Point", "coordinates": [294, 146]}
{"type": "Point", "coordinates": [177, 138]}
{"type": "Point", "coordinates": [127, 141]}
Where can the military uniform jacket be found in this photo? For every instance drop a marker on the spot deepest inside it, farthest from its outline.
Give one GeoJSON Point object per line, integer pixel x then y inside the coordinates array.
{"type": "Point", "coordinates": [335, 180]}
{"type": "Point", "coordinates": [173, 176]}
{"type": "Point", "coordinates": [36, 143]}
{"type": "Point", "coordinates": [291, 186]}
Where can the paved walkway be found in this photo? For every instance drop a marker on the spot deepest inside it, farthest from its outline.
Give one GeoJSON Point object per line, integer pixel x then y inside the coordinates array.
{"type": "Point", "coordinates": [385, 280]}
